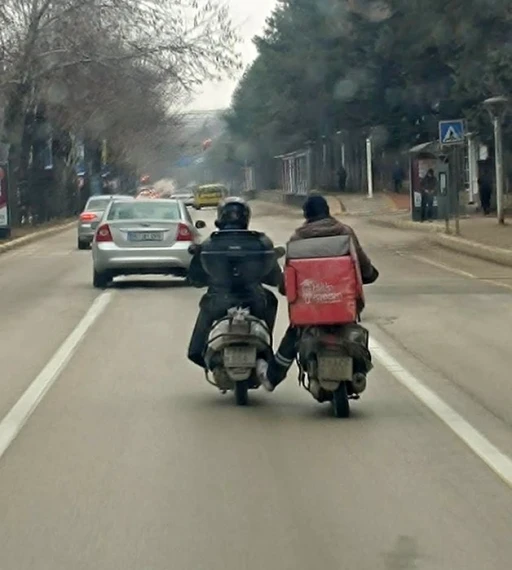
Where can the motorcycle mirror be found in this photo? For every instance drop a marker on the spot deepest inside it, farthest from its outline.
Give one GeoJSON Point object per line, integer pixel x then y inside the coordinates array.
{"type": "Point", "coordinates": [280, 251]}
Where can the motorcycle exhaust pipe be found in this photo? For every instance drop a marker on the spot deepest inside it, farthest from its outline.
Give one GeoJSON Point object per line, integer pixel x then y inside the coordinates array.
{"type": "Point", "coordinates": [359, 382]}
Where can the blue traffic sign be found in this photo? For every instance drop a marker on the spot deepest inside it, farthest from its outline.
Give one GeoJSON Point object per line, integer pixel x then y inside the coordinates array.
{"type": "Point", "coordinates": [451, 132]}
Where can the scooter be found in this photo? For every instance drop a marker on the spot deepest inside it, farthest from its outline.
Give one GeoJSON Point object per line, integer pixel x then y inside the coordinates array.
{"type": "Point", "coordinates": [333, 364]}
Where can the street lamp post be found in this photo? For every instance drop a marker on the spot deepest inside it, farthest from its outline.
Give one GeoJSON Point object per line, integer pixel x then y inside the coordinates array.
{"type": "Point", "coordinates": [497, 106]}
{"type": "Point", "coordinates": [472, 166]}
{"type": "Point", "coordinates": [369, 165]}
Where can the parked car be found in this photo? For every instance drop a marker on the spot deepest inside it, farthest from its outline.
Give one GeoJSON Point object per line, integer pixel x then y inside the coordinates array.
{"type": "Point", "coordinates": [92, 213]}
{"type": "Point", "coordinates": [143, 237]}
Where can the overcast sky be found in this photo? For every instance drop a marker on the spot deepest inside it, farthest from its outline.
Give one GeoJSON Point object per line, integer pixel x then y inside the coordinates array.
{"type": "Point", "coordinates": [250, 20]}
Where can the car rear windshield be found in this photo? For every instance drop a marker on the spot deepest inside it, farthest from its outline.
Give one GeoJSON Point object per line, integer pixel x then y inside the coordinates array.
{"type": "Point", "coordinates": [144, 211]}
{"type": "Point", "coordinates": [97, 204]}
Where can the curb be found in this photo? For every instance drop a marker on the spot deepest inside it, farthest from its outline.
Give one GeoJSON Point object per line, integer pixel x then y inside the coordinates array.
{"type": "Point", "coordinates": [468, 247]}
{"type": "Point", "coordinates": [389, 207]}
{"type": "Point", "coordinates": [474, 249]}
{"type": "Point", "coordinates": [35, 236]}
{"type": "Point", "coordinates": [407, 225]}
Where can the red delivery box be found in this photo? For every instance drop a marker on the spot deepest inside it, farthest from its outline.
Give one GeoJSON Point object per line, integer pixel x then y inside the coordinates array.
{"type": "Point", "coordinates": [323, 281]}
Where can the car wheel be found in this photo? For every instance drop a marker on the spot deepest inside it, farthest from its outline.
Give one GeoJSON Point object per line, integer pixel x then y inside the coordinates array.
{"type": "Point", "coordinates": [100, 279]}
{"type": "Point", "coordinates": [82, 244]}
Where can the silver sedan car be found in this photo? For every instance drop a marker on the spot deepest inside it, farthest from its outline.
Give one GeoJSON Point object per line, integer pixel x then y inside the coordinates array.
{"type": "Point", "coordinates": [92, 213]}
{"type": "Point", "coordinates": [143, 237]}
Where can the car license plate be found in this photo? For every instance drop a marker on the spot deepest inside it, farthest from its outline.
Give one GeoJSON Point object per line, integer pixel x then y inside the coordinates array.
{"type": "Point", "coordinates": [240, 357]}
{"type": "Point", "coordinates": [336, 368]}
{"type": "Point", "coordinates": [145, 236]}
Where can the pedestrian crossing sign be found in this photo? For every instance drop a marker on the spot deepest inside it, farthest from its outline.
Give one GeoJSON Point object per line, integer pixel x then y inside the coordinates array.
{"type": "Point", "coordinates": [451, 132]}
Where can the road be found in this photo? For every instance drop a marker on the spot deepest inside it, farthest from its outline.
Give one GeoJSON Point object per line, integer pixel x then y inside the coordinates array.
{"type": "Point", "coordinates": [132, 461]}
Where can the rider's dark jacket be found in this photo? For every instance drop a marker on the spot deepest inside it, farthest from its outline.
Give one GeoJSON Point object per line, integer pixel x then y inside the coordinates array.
{"type": "Point", "coordinates": [221, 296]}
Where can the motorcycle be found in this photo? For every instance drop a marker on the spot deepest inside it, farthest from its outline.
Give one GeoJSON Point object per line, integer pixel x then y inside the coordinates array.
{"type": "Point", "coordinates": [238, 340]}
{"type": "Point", "coordinates": [235, 344]}
{"type": "Point", "coordinates": [324, 288]}
{"type": "Point", "coordinates": [333, 363]}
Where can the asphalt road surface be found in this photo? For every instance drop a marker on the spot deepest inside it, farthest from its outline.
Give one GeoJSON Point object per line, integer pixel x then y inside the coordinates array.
{"type": "Point", "coordinates": [131, 461]}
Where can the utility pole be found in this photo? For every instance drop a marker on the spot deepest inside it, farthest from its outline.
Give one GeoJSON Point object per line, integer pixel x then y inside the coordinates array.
{"type": "Point", "coordinates": [497, 106]}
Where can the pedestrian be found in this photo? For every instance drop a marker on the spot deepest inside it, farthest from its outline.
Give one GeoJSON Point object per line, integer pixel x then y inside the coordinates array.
{"type": "Point", "coordinates": [428, 191]}
{"type": "Point", "coordinates": [342, 178]}
{"type": "Point", "coordinates": [398, 177]}
{"type": "Point", "coordinates": [485, 187]}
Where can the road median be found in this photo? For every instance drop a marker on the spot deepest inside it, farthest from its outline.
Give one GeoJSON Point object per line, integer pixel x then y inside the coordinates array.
{"type": "Point", "coordinates": [36, 235]}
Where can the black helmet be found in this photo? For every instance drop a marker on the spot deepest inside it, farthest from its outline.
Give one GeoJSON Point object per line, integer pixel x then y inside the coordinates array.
{"type": "Point", "coordinates": [234, 214]}
{"type": "Point", "coordinates": [316, 208]}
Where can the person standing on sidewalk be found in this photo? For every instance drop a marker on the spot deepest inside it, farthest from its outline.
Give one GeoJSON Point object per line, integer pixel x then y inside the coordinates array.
{"type": "Point", "coordinates": [398, 177]}
{"type": "Point", "coordinates": [342, 178]}
{"type": "Point", "coordinates": [485, 187]}
{"type": "Point", "coordinates": [428, 191]}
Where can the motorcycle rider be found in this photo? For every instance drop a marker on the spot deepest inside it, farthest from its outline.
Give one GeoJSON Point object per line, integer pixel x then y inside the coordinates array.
{"type": "Point", "coordinates": [232, 214]}
{"type": "Point", "coordinates": [318, 223]}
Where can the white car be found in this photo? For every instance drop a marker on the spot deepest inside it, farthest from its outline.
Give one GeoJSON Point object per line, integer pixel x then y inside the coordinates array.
{"type": "Point", "coordinates": [143, 237]}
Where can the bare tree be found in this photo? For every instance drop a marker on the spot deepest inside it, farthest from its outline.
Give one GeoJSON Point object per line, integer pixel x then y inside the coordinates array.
{"type": "Point", "coordinates": [111, 67]}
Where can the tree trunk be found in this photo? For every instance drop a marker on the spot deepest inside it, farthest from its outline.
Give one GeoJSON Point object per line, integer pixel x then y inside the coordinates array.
{"type": "Point", "coordinates": [15, 123]}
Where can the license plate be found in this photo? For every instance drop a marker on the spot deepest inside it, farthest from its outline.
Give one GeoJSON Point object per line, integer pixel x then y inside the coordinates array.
{"type": "Point", "coordinates": [145, 236]}
{"type": "Point", "coordinates": [239, 357]}
{"type": "Point", "coordinates": [337, 368]}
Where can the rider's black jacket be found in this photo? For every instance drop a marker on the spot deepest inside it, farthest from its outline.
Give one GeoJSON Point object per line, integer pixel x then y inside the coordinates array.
{"type": "Point", "coordinates": [199, 278]}
{"type": "Point", "coordinates": [222, 294]}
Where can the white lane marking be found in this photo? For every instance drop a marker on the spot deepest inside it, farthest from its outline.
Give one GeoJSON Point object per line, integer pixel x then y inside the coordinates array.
{"type": "Point", "coordinates": [499, 462]}
{"type": "Point", "coordinates": [440, 265]}
{"type": "Point", "coordinates": [457, 271]}
{"type": "Point", "coordinates": [16, 418]}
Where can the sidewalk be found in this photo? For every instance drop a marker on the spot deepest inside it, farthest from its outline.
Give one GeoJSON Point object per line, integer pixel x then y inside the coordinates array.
{"type": "Point", "coordinates": [273, 201]}
{"type": "Point", "coordinates": [480, 237]}
{"type": "Point", "coordinates": [25, 235]}
{"type": "Point", "coordinates": [379, 203]}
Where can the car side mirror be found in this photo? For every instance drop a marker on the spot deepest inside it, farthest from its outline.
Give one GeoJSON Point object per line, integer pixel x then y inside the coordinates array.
{"type": "Point", "coordinates": [193, 249]}
{"type": "Point", "coordinates": [94, 225]}
{"type": "Point", "coordinates": [280, 251]}
{"type": "Point", "coordinates": [200, 224]}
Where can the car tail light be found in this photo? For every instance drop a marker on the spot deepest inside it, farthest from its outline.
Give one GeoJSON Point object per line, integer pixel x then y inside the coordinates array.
{"type": "Point", "coordinates": [184, 233]}
{"type": "Point", "coordinates": [87, 217]}
{"type": "Point", "coordinates": [103, 234]}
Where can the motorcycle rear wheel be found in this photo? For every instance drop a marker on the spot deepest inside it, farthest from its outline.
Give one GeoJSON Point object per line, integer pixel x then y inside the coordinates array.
{"type": "Point", "coordinates": [242, 393]}
{"type": "Point", "coordinates": [340, 402]}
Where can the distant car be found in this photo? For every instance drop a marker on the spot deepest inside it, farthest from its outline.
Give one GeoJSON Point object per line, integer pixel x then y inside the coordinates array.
{"type": "Point", "coordinates": [143, 237]}
{"type": "Point", "coordinates": [186, 197]}
{"type": "Point", "coordinates": [209, 195]}
{"type": "Point", "coordinates": [93, 212]}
